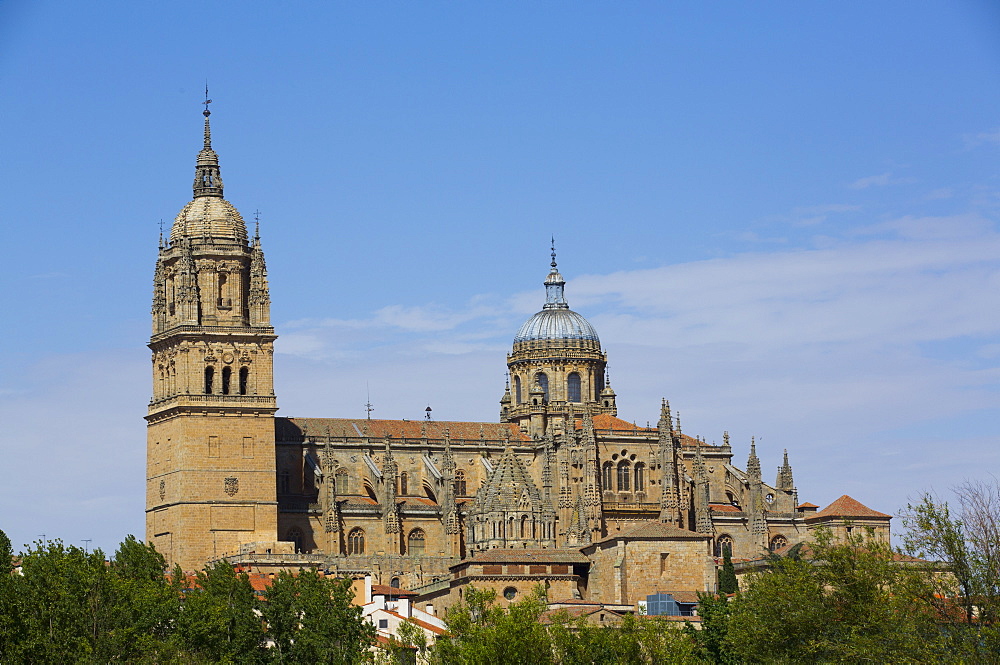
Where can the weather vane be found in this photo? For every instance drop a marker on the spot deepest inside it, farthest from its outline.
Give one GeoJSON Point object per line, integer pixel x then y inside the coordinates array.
{"type": "Point", "coordinates": [207, 101]}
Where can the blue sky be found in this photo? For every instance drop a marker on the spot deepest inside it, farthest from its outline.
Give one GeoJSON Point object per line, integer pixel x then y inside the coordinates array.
{"type": "Point", "coordinates": [782, 217]}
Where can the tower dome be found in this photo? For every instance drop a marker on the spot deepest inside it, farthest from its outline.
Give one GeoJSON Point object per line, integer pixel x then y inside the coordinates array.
{"type": "Point", "coordinates": [209, 217]}
{"type": "Point", "coordinates": [556, 321]}
{"type": "Point", "coordinates": [556, 365]}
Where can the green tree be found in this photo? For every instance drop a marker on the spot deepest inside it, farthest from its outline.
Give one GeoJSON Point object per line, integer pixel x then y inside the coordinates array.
{"type": "Point", "coordinates": [217, 619]}
{"type": "Point", "coordinates": [483, 633]}
{"type": "Point", "coordinates": [967, 542]}
{"type": "Point", "coordinates": [311, 619]}
{"type": "Point", "coordinates": [9, 618]}
{"type": "Point", "coordinates": [727, 576]}
{"type": "Point", "coordinates": [63, 604]}
{"type": "Point", "coordinates": [710, 637]}
{"type": "Point", "coordinates": [144, 606]}
{"type": "Point", "coordinates": [851, 601]}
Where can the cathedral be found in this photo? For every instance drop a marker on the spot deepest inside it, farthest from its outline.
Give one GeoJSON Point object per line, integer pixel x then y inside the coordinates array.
{"type": "Point", "coordinates": [558, 491]}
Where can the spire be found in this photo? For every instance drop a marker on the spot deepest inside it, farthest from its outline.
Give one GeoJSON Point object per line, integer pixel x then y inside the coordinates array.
{"type": "Point", "coordinates": [753, 462]}
{"type": "Point", "coordinates": [259, 299]}
{"type": "Point", "coordinates": [207, 177]}
{"type": "Point", "coordinates": [785, 480]}
{"type": "Point", "coordinates": [555, 297]}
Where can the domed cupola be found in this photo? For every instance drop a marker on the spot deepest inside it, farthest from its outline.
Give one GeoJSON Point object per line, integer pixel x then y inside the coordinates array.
{"type": "Point", "coordinates": [209, 218]}
{"type": "Point", "coordinates": [556, 363]}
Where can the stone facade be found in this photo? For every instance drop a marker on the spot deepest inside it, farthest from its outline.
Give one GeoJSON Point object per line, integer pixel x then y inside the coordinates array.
{"type": "Point", "coordinates": [434, 505]}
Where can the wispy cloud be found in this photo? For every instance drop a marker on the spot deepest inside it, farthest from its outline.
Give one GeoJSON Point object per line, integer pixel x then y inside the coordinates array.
{"type": "Point", "coordinates": [982, 138]}
{"type": "Point", "coordinates": [880, 180]}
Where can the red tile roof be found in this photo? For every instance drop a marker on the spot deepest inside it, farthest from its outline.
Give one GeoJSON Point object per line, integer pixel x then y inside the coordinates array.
{"type": "Point", "coordinates": [655, 530]}
{"type": "Point", "coordinates": [423, 624]}
{"type": "Point", "coordinates": [807, 505]}
{"type": "Point", "coordinates": [528, 556]}
{"type": "Point", "coordinates": [399, 429]}
{"type": "Point", "coordinates": [386, 590]}
{"type": "Point", "coordinates": [846, 506]}
{"type": "Point", "coordinates": [724, 508]}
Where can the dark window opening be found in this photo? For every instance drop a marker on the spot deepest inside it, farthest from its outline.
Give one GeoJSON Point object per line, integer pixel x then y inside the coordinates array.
{"type": "Point", "coordinates": [227, 375]}
{"type": "Point", "coordinates": [573, 387]}
{"type": "Point", "coordinates": [244, 379]}
{"type": "Point", "coordinates": [623, 476]}
{"type": "Point", "coordinates": [460, 485]}
{"type": "Point", "coordinates": [543, 380]}
{"type": "Point", "coordinates": [209, 376]}
{"type": "Point", "coordinates": [415, 543]}
{"type": "Point", "coordinates": [356, 542]}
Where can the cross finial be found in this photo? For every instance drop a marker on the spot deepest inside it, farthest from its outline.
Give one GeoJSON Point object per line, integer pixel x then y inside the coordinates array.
{"type": "Point", "coordinates": [553, 264]}
{"type": "Point", "coordinates": [207, 101]}
{"type": "Point", "coordinates": [256, 219]}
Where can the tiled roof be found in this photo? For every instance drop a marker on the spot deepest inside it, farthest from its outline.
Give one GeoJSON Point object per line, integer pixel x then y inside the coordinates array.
{"type": "Point", "coordinates": [604, 421]}
{"type": "Point", "coordinates": [807, 505]}
{"type": "Point", "coordinates": [654, 530]}
{"type": "Point", "coordinates": [386, 590]}
{"type": "Point", "coordinates": [724, 508]}
{"type": "Point", "coordinates": [528, 556]}
{"type": "Point", "coordinates": [291, 429]}
{"type": "Point", "coordinates": [846, 506]}
{"type": "Point", "coordinates": [423, 624]}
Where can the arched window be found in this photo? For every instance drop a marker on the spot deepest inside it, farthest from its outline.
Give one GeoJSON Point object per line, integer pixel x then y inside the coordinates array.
{"type": "Point", "coordinates": [295, 535]}
{"type": "Point", "coordinates": [724, 544]}
{"type": "Point", "coordinates": [209, 377]}
{"type": "Point", "coordinates": [403, 485]}
{"type": "Point", "coordinates": [542, 379]}
{"type": "Point", "coordinates": [517, 390]}
{"type": "Point", "coordinates": [415, 543]}
{"type": "Point", "coordinates": [340, 481]}
{"type": "Point", "coordinates": [356, 541]}
{"type": "Point", "coordinates": [640, 476]}
{"type": "Point", "coordinates": [227, 374]}
{"type": "Point", "coordinates": [525, 531]}
{"type": "Point", "coordinates": [623, 476]}
{"type": "Point", "coordinates": [244, 379]}
{"type": "Point", "coordinates": [223, 277]}
{"type": "Point", "coordinates": [394, 583]}
{"type": "Point", "coordinates": [777, 543]}
{"type": "Point", "coordinates": [460, 486]}
{"type": "Point", "coordinates": [573, 387]}
{"type": "Point", "coordinates": [606, 474]}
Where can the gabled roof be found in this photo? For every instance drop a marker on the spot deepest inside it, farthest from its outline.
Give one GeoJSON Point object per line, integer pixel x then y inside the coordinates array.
{"type": "Point", "coordinates": [847, 506]}
{"type": "Point", "coordinates": [292, 429]}
{"type": "Point", "coordinates": [656, 530]}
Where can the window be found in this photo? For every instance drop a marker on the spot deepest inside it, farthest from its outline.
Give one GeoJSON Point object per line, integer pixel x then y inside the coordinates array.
{"type": "Point", "coordinates": [606, 476]}
{"type": "Point", "coordinates": [356, 542]}
{"type": "Point", "coordinates": [403, 484]}
{"type": "Point", "coordinates": [777, 543]}
{"type": "Point", "coordinates": [460, 486]}
{"type": "Point", "coordinates": [510, 593]}
{"type": "Point", "coordinates": [623, 476]}
{"type": "Point", "coordinates": [340, 481]}
{"type": "Point", "coordinates": [209, 376]}
{"type": "Point", "coordinates": [640, 477]}
{"type": "Point", "coordinates": [295, 535]}
{"type": "Point", "coordinates": [542, 379]}
{"type": "Point", "coordinates": [227, 374]}
{"type": "Point", "coordinates": [383, 623]}
{"type": "Point", "coordinates": [284, 482]}
{"type": "Point", "coordinates": [724, 544]}
{"type": "Point", "coordinates": [517, 390]}
{"type": "Point", "coordinates": [415, 543]}
{"type": "Point", "coordinates": [244, 379]}
{"type": "Point", "coordinates": [394, 583]}
{"type": "Point", "coordinates": [573, 387]}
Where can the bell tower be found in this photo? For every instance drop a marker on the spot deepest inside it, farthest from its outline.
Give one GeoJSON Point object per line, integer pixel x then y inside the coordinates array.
{"type": "Point", "coordinates": [210, 462]}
